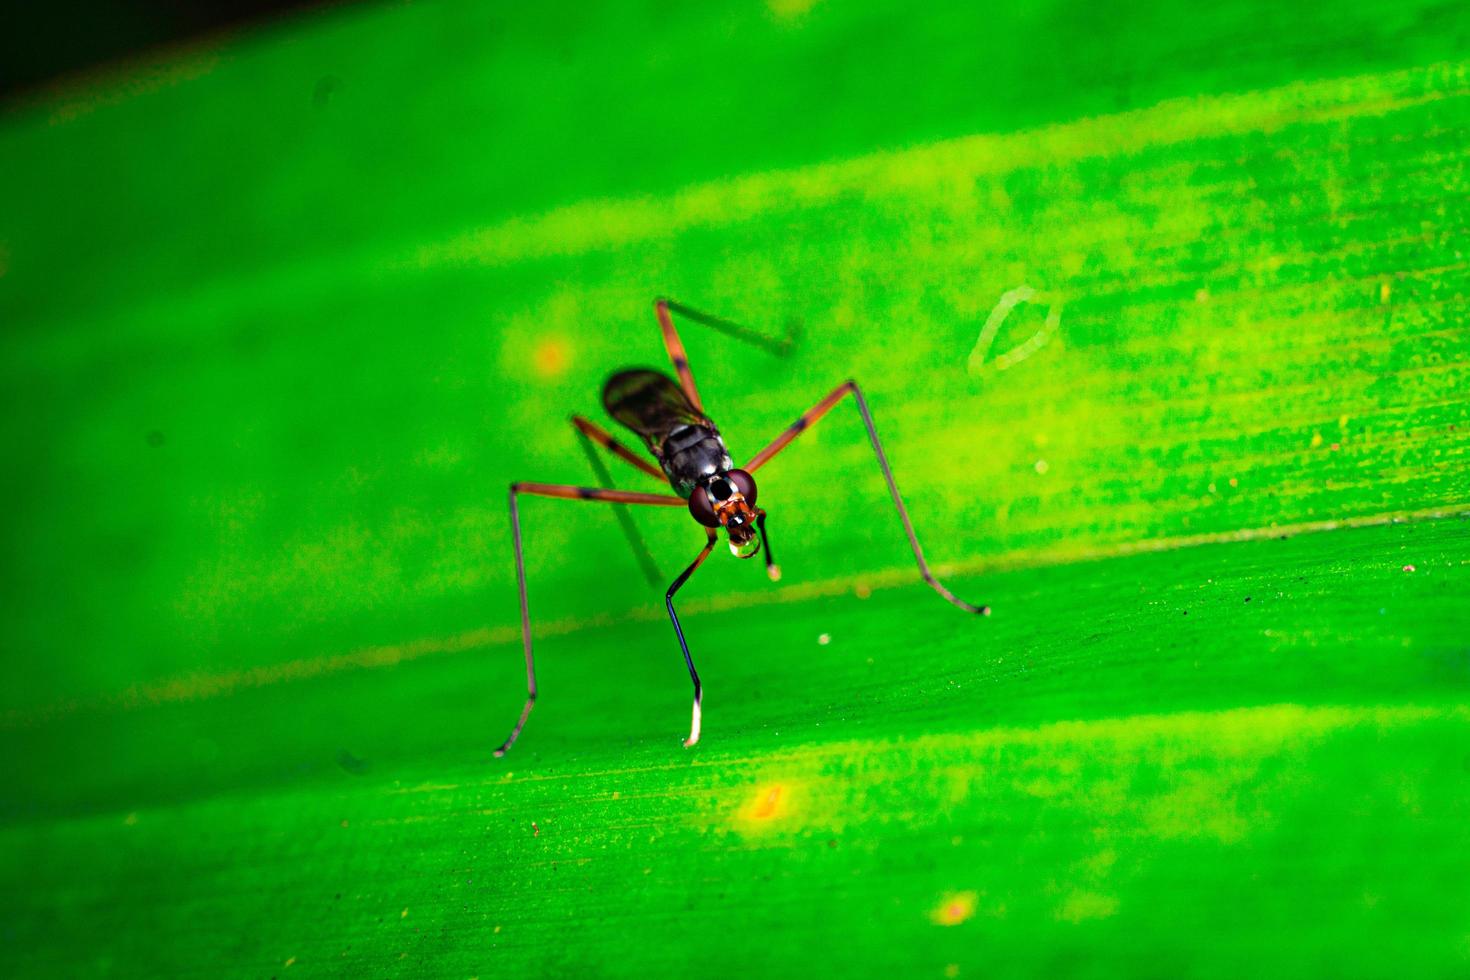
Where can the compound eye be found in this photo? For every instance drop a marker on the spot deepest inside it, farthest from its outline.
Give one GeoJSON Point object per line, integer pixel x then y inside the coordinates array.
{"type": "Point", "coordinates": [745, 483]}
{"type": "Point", "coordinates": [700, 507]}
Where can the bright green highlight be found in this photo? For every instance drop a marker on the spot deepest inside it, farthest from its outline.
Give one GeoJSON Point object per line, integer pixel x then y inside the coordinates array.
{"type": "Point", "coordinates": [337, 437]}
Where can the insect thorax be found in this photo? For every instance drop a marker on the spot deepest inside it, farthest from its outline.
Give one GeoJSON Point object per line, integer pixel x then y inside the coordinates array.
{"type": "Point", "coordinates": [693, 454]}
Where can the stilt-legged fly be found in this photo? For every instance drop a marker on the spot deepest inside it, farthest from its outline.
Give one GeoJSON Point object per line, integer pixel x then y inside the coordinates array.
{"type": "Point", "coordinates": [692, 460]}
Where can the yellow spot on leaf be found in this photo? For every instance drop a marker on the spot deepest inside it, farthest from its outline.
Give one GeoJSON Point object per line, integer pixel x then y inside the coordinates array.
{"type": "Point", "coordinates": [403, 914]}
{"type": "Point", "coordinates": [768, 802]}
{"type": "Point", "coordinates": [550, 357]}
{"type": "Point", "coordinates": [954, 908]}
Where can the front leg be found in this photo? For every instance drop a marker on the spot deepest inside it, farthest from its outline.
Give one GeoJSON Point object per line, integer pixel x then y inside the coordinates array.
{"type": "Point", "coordinates": [683, 644]}
{"type": "Point", "coordinates": [810, 418]}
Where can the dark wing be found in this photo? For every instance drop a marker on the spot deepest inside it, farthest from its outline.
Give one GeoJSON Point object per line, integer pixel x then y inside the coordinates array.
{"type": "Point", "coordinates": [651, 404]}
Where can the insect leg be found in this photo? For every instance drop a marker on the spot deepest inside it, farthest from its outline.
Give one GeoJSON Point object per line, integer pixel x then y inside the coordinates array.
{"type": "Point", "coordinates": [587, 434]}
{"type": "Point", "coordinates": [596, 433]}
{"type": "Point", "coordinates": [779, 346]}
{"type": "Point", "coordinates": [773, 570]}
{"type": "Point", "coordinates": [810, 418]}
{"type": "Point", "coordinates": [683, 644]}
{"type": "Point", "coordinates": [566, 493]}
{"type": "Point", "coordinates": [663, 308]}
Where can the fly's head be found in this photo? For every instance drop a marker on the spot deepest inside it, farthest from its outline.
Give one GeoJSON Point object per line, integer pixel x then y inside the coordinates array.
{"type": "Point", "coordinates": [727, 500]}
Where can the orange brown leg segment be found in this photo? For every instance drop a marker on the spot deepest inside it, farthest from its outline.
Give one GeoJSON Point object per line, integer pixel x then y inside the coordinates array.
{"type": "Point", "coordinates": [810, 418]}
{"type": "Point", "coordinates": [601, 436]}
{"type": "Point", "coordinates": [664, 310]}
{"type": "Point", "coordinates": [677, 355]}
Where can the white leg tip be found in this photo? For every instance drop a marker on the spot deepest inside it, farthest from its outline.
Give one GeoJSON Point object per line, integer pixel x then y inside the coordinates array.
{"type": "Point", "coordinates": [693, 738]}
{"type": "Point", "coordinates": [774, 571]}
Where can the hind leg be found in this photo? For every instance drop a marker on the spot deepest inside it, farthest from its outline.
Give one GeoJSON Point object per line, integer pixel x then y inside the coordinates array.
{"type": "Point", "coordinates": [664, 310]}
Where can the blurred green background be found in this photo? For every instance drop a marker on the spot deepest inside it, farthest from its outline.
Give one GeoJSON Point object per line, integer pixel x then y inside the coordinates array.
{"type": "Point", "coordinates": [287, 309]}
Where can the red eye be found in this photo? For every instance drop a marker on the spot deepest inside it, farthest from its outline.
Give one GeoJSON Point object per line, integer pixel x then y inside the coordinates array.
{"type": "Point", "coordinates": [745, 483]}
{"type": "Point", "coordinates": [699, 506]}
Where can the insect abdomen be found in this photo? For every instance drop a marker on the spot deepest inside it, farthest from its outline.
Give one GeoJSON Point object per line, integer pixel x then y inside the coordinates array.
{"type": "Point", "coordinates": [649, 403]}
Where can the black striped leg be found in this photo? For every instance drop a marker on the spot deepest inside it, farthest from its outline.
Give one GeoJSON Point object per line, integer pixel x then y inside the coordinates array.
{"type": "Point", "coordinates": [664, 308]}
{"type": "Point", "coordinates": [810, 418]}
{"type": "Point", "coordinates": [599, 435]}
{"type": "Point", "coordinates": [566, 493]}
{"type": "Point", "coordinates": [683, 645]}
{"type": "Point", "coordinates": [677, 354]}
{"type": "Point", "coordinates": [589, 433]}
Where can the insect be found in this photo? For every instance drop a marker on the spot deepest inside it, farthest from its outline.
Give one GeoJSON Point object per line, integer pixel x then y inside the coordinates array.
{"type": "Point", "coordinates": [692, 461]}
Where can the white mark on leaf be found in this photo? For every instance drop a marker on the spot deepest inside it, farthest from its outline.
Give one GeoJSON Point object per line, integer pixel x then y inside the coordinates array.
{"type": "Point", "coordinates": [978, 364]}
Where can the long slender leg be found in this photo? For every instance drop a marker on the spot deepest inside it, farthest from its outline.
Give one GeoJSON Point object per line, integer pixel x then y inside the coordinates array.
{"type": "Point", "coordinates": [599, 493]}
{"type": "Point", "coordinates": [587, 433]}
{"type": "Point", "coordinates": [779, 346]}
{"type": "Point", "coordinates": [683, 645]}
{"type": "Point", "coordinates": [599, 435]}
{"type": "Point", "coordinates": [662, 308]}
{"type": "Point", "coordinates": [677, 354]}
{"type": "Point", "coordinates": [565, 493]}
{"type": "Point", "coordinates": [810, 418]}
